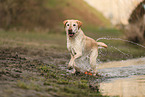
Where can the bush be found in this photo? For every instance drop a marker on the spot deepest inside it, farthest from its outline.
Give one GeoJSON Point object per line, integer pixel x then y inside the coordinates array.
{"type": "Point", "coordinates": [136, 31]}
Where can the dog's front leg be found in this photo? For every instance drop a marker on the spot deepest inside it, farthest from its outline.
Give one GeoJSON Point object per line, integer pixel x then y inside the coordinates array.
{"type": "Point", "coordinates": [72, 60]}
{"type": "Point", "coordinates": [79, 54]}
{"type": "Point", "coordinates": [72, 64]}
{"type": "Point", "coordinates": [76, 57]}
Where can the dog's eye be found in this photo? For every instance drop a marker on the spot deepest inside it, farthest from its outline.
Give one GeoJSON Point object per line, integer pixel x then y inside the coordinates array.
{"type": "Point", "coordinates": [74, 24]}
{"type": "Point", "coordinates": [67, 24]}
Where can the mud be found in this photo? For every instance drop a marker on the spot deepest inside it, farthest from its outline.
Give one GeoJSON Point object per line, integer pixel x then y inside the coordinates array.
{"type": "Point", "coordinates": [18, 65]}
{"type": "Point", "coordinates": [26, 72]}
{"type": "Point", "coordinates": [37, 72]}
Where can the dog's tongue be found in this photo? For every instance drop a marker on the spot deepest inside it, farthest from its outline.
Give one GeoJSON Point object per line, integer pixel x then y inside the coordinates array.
{"type": "Point", "coordinates": [70, 34]}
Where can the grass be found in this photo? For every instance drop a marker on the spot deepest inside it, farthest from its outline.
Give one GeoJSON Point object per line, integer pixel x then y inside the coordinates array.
{"type": "Point", "coordinates": [59, 85]}
{"type": "Point", "coordinates": [24, 39]}
{"type": "Point", "coordinates": [31, 85]}
{"type": "Point", "coordinates": [66, 85]}
{"type": "Point", "coordinates": [117, 49]}
{"type": "Point", "coordinates": [96, 32]}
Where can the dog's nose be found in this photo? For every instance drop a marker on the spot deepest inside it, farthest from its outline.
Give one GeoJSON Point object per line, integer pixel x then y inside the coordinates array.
{"type": "Point", "coordinates": [70, 29]}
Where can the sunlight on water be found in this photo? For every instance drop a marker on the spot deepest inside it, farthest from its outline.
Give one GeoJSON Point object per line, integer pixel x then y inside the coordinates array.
{"type": "Point", "coordinates": [126, 87]}
{"type": "Point", "coordinates": [124, 78]}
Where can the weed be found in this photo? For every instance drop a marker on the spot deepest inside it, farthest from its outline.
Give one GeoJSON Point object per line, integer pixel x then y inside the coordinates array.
{"type": "Point", "coordinates": [22, 85]}
{"type": "Point", "coordinates": [9, 91]}
{"type": "Point", "coordinates": [62, 81]}
{"type": "Point", "coordinates": [30, 85]}
{"type": "Point", "coordinates": [83, 85]}
{"type": "Point", "coordinates": [71, 90]}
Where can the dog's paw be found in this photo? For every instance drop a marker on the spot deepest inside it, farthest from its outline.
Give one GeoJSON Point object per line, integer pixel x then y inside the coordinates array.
{"type": "Point", "coordinates": [94, 74]}
{"type": "Point", "coordinates": [70, 67]}
{"type": "Point", "coordinates": [74, 71]}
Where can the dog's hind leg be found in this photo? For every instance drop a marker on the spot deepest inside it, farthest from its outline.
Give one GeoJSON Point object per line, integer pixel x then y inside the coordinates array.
{"type": "Point", "coordinates": [93, 56]}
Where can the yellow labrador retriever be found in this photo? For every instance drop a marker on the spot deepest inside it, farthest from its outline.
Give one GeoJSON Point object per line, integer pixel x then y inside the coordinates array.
{"type": "Point", "coordinates": [81, 47]}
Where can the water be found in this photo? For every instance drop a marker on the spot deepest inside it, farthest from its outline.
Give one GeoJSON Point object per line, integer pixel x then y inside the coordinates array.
{"type": "Point", "coordinates": [133, 86]}
{"type": "Point", "coordinates": [124, 78]}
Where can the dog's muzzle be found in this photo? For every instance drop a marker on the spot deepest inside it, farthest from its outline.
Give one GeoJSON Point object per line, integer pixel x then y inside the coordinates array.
{"type": "Point", "coordinates": [70, 33]}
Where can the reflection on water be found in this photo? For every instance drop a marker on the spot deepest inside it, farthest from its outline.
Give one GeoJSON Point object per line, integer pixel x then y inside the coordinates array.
{"type": "Point", "coordinates": [123, 78]}
{"type": "Point", "coordinates": [126, 87]}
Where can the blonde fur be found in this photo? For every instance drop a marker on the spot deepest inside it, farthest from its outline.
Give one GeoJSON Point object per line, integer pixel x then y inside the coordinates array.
{"type": "Point", "coordinates": [80, 46]}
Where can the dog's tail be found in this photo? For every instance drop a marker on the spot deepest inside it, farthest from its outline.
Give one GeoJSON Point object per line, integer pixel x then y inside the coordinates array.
{"type": "Point", "coordinates": [102, 44]}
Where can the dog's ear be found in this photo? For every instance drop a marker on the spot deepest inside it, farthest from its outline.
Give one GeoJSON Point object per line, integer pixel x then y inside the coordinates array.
{"type": "Point", "coordinates": [79, 23]}
{"type": "Point", "coordinates": [64, 22]}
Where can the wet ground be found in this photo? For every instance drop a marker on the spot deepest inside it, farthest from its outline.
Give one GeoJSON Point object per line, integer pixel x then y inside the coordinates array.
{"type": "Point", "coordinates": [26, 72]}
{"type": "Point", "coordinates": [41, 73]}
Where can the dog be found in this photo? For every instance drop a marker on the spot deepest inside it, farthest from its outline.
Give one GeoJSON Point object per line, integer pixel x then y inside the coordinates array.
{"type": "Point", "coordinates": [80, 47]}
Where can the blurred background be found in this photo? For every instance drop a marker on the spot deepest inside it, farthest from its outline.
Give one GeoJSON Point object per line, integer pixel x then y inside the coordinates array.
{"type": "Point", "coordinates": [48, 15]}
{"type": "Point", "coordinates": [110, 18]}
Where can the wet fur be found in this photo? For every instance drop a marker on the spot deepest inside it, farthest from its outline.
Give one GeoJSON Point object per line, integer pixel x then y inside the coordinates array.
{"type": "Point", "coordinates": [80, 45]}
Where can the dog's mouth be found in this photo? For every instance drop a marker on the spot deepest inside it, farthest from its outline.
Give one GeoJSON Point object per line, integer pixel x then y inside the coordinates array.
{"type": "Point", "coordinates": [70, 33]}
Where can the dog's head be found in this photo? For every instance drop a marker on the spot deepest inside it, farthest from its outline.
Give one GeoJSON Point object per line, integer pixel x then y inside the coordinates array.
{"type": "Point", "coordinates": [72, 27]}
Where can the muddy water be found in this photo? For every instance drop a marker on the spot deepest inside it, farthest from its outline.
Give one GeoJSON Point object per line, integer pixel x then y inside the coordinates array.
{"type": "Point", "coordinates": [124, 78]}
{"type": "Point", "coordinates": [124, 87]}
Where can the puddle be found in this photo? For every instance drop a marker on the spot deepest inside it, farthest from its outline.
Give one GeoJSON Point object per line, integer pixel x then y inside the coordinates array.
{"type": "Point", "coordinates": [124, 78]}
{"type": "Point", "coordinates": [120, 72]}
{"type": "Point", "coordinates": [124, 87]}
{"type": "Point", "coordinates": [123, 63]}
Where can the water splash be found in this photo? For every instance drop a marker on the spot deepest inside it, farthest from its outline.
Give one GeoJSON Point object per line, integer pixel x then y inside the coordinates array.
{"type": "Point", "coordinates": [120, 51]}
{"type": "Point", "coordinates": [109, 38]}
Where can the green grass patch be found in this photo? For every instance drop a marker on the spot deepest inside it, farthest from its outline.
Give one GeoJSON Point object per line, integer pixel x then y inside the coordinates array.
{"type": "Point", "coordinates": [98, 32]}
{"type": "Point", "coordinates": [117, 49]}
{"type": "Point", "coordinates": [66, 85]}
{"type": "Point", "coordinates": [31, 85]}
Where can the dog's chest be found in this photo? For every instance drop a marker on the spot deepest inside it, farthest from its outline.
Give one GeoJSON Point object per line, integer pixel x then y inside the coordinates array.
{"type": "Point", "coordinates": [75, 46]}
